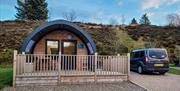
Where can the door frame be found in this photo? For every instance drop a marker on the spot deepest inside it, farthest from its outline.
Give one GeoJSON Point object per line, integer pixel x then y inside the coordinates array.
{"type": "Point", "coordinates": [68, 61]}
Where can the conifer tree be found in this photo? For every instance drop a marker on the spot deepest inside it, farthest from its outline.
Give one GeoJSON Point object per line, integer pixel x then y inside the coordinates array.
{"type": "Point", "coordinates": [133, 21]}
{"type": "Point", "coordinates": [32, 10]}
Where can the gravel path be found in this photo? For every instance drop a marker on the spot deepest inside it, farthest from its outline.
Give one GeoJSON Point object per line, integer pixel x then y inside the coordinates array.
{"type": "Point", "coordinates": [120, 86]}
{"type": "Point", "coordinates": [155, 82]}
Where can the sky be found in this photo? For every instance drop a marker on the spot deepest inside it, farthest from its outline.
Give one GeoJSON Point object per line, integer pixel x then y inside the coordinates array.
{"type": "Point", "coordinates": [102, 11]}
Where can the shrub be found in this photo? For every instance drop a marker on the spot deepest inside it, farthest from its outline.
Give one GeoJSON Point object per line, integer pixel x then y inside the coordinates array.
{"type": "Point", "coordinates": [6, 56]}
{"type": "Point", "coordinates": [176, 62]}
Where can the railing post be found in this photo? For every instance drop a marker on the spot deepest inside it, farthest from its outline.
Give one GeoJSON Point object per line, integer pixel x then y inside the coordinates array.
{"type": "Point", "coordinates": [14, 68]}
{"type": "Point", "coordinates": [23, 53]}
{"type": "Point", "coordinates": [95, 67]}
{"type": "Point", "coordinates": [117, 60]}
{"type": "Point", "coordinates": [23, 61]}
{"type": "Point", "coordinates": [128, 65]}
{"type": "Point", "coordinates": [59, 68]}
{"type": "Point", "coordinates": [118, 55]}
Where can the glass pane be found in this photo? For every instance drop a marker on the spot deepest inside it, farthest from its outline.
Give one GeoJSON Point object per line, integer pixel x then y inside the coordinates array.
{"type": "Point", "coordinates": [136, 55]}
{"type": "Point", "coordinates": [141, 54]}
{"type": "Point", "coordinates": [52, 47]}
{"type": "Point", "coordinates": [132, 54]}
{"type": "Point", "coordinates": [69, 48]}
{"type": "Point", "coordinates": [159, 54]}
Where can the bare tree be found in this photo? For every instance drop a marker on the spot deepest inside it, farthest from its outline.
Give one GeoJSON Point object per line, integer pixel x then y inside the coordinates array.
{"type": "Point", "coordinates": [70, 15]}
{"type": "Point", "coordinates": [173, 20]}
{"type": "Point", "coordinates": [170, 19]}
{"type": "Point", "coordinates": [144, 20]}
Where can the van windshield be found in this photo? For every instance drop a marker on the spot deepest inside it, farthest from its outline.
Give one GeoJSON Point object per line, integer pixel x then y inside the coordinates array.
{"type": "Point", "coordinates": [158, 54]}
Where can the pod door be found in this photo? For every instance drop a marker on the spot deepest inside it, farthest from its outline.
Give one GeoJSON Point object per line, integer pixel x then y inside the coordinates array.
{"type": "Point", "coordinates": [69, 50]}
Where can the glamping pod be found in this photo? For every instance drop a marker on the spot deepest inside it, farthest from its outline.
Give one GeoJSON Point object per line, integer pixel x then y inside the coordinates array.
{"type": "Point", "coordinates": [58, 36]}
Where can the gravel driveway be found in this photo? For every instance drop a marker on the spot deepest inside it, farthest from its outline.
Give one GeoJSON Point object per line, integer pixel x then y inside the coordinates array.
{"type": "Point", "coordinates": [120, 86]}
{"type": "Point", "coordinates": [155, 82]}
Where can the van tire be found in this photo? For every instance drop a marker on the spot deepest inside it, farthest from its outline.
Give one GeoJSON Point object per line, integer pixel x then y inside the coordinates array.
{"type": "Point", "coordinates": [140, 69]}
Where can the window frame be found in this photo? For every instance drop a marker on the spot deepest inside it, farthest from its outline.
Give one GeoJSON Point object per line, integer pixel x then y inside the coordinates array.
{"type": "Point", "coordinates": [46, 41]}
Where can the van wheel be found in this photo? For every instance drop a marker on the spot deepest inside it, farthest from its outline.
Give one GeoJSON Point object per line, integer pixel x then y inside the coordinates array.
{"type": "Point", "coordinates": [140, 69]}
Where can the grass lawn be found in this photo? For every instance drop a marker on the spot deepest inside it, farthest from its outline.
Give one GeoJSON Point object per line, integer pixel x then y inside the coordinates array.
{"type": "Point", "coordinates": [6, 73]}
{"type": "Point", "coordinates": [174, 71]}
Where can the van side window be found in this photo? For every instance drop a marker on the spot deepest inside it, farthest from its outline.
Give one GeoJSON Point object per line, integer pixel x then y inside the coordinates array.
{"type": "Point", "coordinates": [141, 54]}
{"type": "Point", "coordinates": [132, 54]}
{"type": "Point", "coordinates": [136, 54]}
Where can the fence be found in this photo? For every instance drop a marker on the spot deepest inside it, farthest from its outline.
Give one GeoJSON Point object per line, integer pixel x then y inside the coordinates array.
{"type": "Point", "coordinates": [69, 65]}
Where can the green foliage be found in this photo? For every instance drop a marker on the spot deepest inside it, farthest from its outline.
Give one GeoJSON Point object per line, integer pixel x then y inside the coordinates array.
{"type": "Point", "coordinates": [174, 71]}
{"type": "Point", "coordinates": [152, 44]}
{"type": "Point", "coordinates": [127, 41]}
{"type": "Point", "coordinates": [173, 54]}
{"type": "Point", "coordinates": [5, 76]}
{"type": "Point", "coordinates": [133, 21]}
{"type": "Point", "coordinates": [32, 10]}
{"type": "Point", "coordinates": [6, 56]}
{"type": "Point", "coordinates": [145, 20]}
{"type": "Point", "coordinates": [171, 65]}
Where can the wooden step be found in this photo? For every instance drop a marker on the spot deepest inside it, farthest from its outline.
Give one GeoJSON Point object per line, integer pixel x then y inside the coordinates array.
{"type": "Point", "coordinates": [36, 80]}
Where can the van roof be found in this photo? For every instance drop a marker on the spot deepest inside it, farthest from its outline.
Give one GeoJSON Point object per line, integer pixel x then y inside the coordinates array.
{"type": "Point", "coordinates": [147, 49]}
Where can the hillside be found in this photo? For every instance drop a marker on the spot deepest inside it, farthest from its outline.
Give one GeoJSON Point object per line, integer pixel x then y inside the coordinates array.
{"type": "Point", "coordinates": [164, 37]}
{"type": "Point", "coordinates": [108, 39]}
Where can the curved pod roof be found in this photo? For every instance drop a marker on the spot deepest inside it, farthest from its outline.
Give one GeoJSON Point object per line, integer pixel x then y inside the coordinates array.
{"type": "Point", "coordinates": [45, 28]}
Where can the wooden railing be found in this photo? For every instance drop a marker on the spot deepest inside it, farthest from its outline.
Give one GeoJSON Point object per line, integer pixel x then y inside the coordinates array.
{"type": "Point", "coordinates": [68, 65]}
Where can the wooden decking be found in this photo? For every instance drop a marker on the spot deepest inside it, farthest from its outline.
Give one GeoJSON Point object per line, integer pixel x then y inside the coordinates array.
{"type": "Point", "coordinates": [70, 73]}
{"type": "Point", "coordinates": [68, 77]}
{"type": "Point", "coordinates": [43, 69]}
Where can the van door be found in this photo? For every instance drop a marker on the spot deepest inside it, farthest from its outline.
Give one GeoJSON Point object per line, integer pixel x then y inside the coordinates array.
{"type": "Point", "coordinates": [69, 49]}
{"type": "Point", "coordinates": [158, 58]}
{"type": "Point", "coordinates": [142, 57]}
{"type": "Point", "coordinates": [136, 59]}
